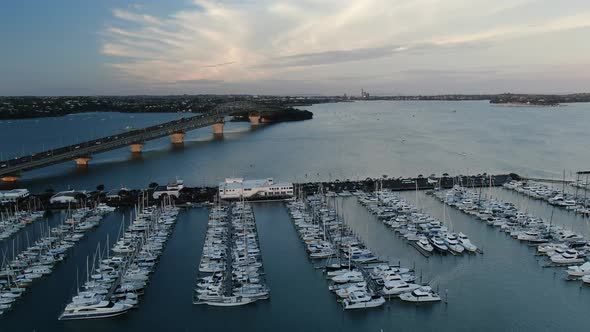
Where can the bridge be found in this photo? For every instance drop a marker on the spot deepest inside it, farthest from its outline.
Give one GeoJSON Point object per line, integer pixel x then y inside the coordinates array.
{"type": "Point", "coordinates": [82, 153]}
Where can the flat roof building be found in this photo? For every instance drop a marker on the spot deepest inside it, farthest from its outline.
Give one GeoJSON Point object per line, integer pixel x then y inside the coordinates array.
{"type": "Point", "coordinates": [7, 196]}
{"type": "Point", "coordinates": [235, 188]}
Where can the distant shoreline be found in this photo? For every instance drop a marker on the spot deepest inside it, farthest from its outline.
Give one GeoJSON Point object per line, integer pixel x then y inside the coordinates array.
{"type": "Point", "coordinates": [524, 105]}
{"type": "Point", "coordinates": [15, 108]}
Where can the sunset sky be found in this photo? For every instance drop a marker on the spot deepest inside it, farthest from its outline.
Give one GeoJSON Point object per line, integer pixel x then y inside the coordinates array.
{"type": "Point", "coordinates": [305, 47]}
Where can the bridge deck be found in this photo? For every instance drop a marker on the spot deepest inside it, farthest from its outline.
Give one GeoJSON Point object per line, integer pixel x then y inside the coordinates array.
{"type": "Point", "coordinates": [46, 158]}
{"type": "Point", "coordinates": [88, 148]}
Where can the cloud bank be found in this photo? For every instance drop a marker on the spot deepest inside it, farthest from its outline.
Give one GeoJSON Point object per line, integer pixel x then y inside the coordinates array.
{"type": "Point", "coordinates": [378, 43]}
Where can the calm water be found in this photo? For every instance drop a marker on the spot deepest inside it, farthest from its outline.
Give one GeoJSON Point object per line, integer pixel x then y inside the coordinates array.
{"type": "Point", "coordinates": [345, 140]}
{"type": "Point", "coordinates": [506, 289]}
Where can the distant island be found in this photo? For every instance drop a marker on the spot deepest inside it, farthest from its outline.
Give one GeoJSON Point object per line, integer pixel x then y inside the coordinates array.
{"type": "Point", "coordinates": [285, 115]}
{"type": "Point", "coordinates": [539, 100]}
{"type": "Point", "coordinates": [35, 107]}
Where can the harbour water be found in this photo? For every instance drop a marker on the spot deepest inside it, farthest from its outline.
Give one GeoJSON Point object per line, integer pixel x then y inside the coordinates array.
{"type": "Point", "coordinates": [344, 140]}
{"type": "Point", "coordinates": [505, 289]}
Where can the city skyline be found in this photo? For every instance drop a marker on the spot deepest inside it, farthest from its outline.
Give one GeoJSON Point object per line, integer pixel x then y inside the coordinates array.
{"type": "Point", "coordinates": [295, 47]}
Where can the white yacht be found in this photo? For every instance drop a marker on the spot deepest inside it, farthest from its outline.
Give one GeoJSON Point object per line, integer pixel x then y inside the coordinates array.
{"type": "Point", "coordinates": [466, 243]}
{"type": "Point", "coordinates": [102, 309]}
{"type": "Point", "coordinates": [423, 244]}
{"type": "Point", "coordinates": [254, 291]}
{"type": "Point", "coordinates": [103, 208]}
{"type": "Point", "coordinates": [398, 287]}
{"type": "Point", "coordinates": [528, 236]}
{"type": "Point", "coordinates": [422, 294]}
{"type": "Point", "coordinates": [337, 287]}
{"type": "Point", "coordinates": [345, 291]}
{"type": "Point", "coordinates": [570, 256]}
{"type": "Point", "coordinates": [230, 301]}
{"type": "Point", "coordinates": [579, 271]}
{"type": "Point", "coordinates": [362, 300]}
{"type": "Point", "coordinates": [453, 244]}
{"type": "Point", "coordinates": [550, 249]}
{"type": "Point", "coordinates": [6, 300]}
{"type": "Point", "coordinates": [323, 253]}
{"type": "Point", "coordinates": [350, 276]}
{"type": "Point", "coordinates": [439, 244]}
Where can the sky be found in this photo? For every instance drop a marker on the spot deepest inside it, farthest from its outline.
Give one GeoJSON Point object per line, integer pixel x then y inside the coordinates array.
{"type": "Point", "coordinates": [296, 47]}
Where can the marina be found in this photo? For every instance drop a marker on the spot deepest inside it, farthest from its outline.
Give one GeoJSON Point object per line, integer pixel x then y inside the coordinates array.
{"type": "Point", "coordinates": [358, 277]}
{"type": "Point", "coordinates": [13, 221]}
{"type": "Point", "coordinates": [577, 202]}
{"type": "Point", "coordinates": [39, 258]}
{"type": "Point", "coordinates": [114, 283]}
{"type": "Point", "coordinates": [425, 233]}
{"type": "Point", "coordinates": [295, 166]}
{"type": "Point", "coordinates": [230, 271]}
{"type": "Point", "coordinates": [561, 247]}
{"type": "Point", "coordinates": [468, 285]}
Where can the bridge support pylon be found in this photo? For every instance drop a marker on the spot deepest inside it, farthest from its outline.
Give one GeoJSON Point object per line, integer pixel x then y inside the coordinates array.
{"type": "Point", "coordinates": [254, 119]}
{"type": "Point", "coordinates": [136, 147]}
{"type": "Point", "coordinates": [177, 138]}
{"type": "Point", "coordinates": [218, 128]}
{"type": "Point", "coordinates": [10, 178]}
{"type": "Point", "coordinates": [82, 161]}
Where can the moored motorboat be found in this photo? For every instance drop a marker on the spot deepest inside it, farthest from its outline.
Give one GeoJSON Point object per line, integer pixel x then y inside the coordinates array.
{"type": "Point", "coordinates": [570, 256]}
{"type": "Point", "coordinates": [350, 276]}
{"type": "Point", "coordinates": [362, 300]}
{"type": "Point", "coordinates": [102, 309]}
{"type": "Point", "coordinates": [579, 271]}
{"type": "Point", "coordinates": [230, 301]}
{"type": "Point", "coordinates": [422, 294]}
{"type": "Point", "coordinates": [466, 243]}
{"type": "Point", "coordinates": [424, 245]}
{"type": "Point", "coordinates": [453, 244]}
{"type": "Point", "coordinates": [438, 244]}
{"type": "Point", "coordinates": [398, 287]}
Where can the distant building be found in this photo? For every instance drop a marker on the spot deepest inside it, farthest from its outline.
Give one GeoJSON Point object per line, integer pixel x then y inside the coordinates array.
{"type": "Point", "coordinates": [8, 196]}
{"type": "Point", "coordinates": [171, 189]}
{"type": "Point", "coordinates": [235, 188]}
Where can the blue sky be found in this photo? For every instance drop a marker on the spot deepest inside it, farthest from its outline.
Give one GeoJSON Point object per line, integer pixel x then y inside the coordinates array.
{"type": "Point", "coordinates": [65, 47]}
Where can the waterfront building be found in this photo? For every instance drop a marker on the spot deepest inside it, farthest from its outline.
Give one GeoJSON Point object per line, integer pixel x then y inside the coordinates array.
{"type": "Point", "coordinates": [8, 196]}
{"type": "Point", "coordinates": [234, 188]}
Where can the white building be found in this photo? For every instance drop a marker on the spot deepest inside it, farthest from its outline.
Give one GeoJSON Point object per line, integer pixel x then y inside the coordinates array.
{"type": "Point", "coordinates": [171, 189]}
{"type": "Point", "coordinates": [234, 188]}
{"type": "Point", "coordinates": [7, 196]}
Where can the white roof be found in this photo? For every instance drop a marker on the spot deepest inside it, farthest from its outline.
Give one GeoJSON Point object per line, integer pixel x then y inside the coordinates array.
{"type": "Point", "coordinates": [14, 193]}
{"type": "Point", "coordinates": [237, 183]}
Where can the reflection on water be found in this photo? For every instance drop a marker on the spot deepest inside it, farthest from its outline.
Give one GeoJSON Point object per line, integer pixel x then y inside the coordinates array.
{"type": "Point", "coordinates": [345, 140]}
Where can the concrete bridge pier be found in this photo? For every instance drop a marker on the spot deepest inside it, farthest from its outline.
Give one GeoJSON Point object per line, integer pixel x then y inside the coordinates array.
{"type": "Point", "coordinates": [177, 138]}
{"type": "Point", "coordinates": [136, 147]}
{"type": "Point", "coordinates": [10, 178]}
{"type": "Point", "coordinates": [82, 161]}
{"type": "Point", "coordinates": [218, 128]}
{"type": "Point", "coordinates": [254, 119]}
